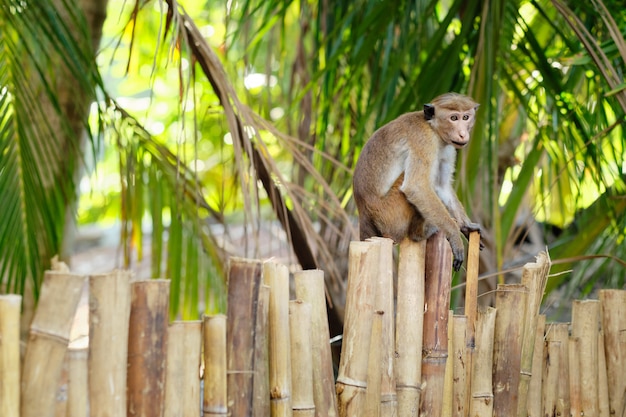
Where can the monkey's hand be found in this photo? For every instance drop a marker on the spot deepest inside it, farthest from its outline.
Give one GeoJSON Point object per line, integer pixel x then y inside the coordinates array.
{"type": "Point", "coordinates": [467, 228]}
{"type": "Point", "coordinates": [458, 251]}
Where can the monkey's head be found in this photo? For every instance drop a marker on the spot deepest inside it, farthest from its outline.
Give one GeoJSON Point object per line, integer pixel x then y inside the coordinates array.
{"type": "Point", "coordinates": [452, 117]}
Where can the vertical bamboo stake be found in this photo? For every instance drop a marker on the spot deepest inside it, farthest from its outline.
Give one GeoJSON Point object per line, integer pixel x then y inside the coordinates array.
{"type": "Point", "coordinates": [559, 332]}
{"type": "Point", "coordinates": [373, 394]}
{"type": "Point", "coordinates": [511, 302]}
{"type": "Point", "coordinates": [448, 381]}
{"type": "Point", "coordinates": [481, 404]}
{"type": "Point", "coordinates": [534, 277]}
{"type": "Point", "coordinates": [77, 392]}
{"type": "Point", "coordinates": [109, 315]}
{"type": "Point", "coordinates": [48, 341]}
{"type": "Point", "coordinates": [585, 319]}
{"type": "Point", "coordinates": [460, 362]}
{"type": "Point", "coordinates": [360, 297]}
{"type": "Point", "coordinates": [410, 326]}
{"type": "Point", "coordinates": [147, 347]}
{"type": "Point", "coordinates": [384, 303]}
{"type": "Point", "coordinates": [214, 400]}
{"type": "Point", "coordinates": [603, 383]}
{"type": "Point", "coordinates": [182, 381]}
{"type": "Point", "coordinates": [310, 288]}
{"type": "Point", "coordinates": [614, 324]}
{"type": "Point", "coordinates": [301, 354]}
{"type": "Point", "coordinates": [437, 302]}
{"type": "Point", "coordinates": [277, 277]}
{"type": "Point", "coordinates": [244, 284]}
{"type": "Point", "coordinates": [10, 305]}
{"type": "Point", "coordinates": [261, 392]}
{"type": "Point", "coordinates": [551, 358]}
{"type": "Point", "coordinates": [533, 400]}
{"type": "Point", "coordinates": [471, 308]}
{"type": "Point", "coordinates": [574, 377]}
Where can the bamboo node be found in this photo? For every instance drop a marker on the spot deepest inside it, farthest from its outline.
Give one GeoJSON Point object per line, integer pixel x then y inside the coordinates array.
{"type": "Point", "coordinates": [276, 393]}
{"type": "Point", "coordinates": [348, 381]}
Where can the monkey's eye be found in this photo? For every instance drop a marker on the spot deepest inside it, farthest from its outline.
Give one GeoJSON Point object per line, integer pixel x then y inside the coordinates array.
{"type": "Point", "coordinates": [466, 117]}
{"type": "Point", "coordinates": [454, 117]}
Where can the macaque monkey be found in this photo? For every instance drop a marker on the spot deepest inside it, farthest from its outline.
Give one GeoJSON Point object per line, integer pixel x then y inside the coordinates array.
{"type": "Point", "coordinates": [403, 178]}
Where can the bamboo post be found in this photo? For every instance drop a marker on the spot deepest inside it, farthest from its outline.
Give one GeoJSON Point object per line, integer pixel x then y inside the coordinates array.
{"type": "Point", "coordinates": [77, 392]}
{"type": "Point", "coordinates": [435, 345]}
{"type": "Point", "coordinates": [374, 368]}
{"type": "Point", "coordinates": [585, 319]}
{"type": "Point", "coordinates": [10, 305]}
{"type": "Point", "coordinates": [535, 278]}
{"type": "Point", "coordinates": [261, 392]}
{"type": "Point", "coordinates": [310, 288]}
{"type": "Point", "coordinates": [603, 382]}
{"type": "Point", "coordinates": [182, 380]}
{"type": "Point", "coordinates": [613, 304]}
{"type": "Point", "coordinates": [384, 303]}
{"type": "Point", "coordinates": [277, 277]}
{"type": "Point", "coordinates": [214, 400]}
{"type": "Point", "coordinates": [471, 308]}
{"type": "Point", "coordinates": [303, 402]}
{"type": "Point", "coordinates": [460, 363]}
{"type": "Point", "coordinates": [559, 332]}
{"type": "Point", "coordinates": [551, 359]}
{"type": "Point", "coordinates": [410, 326]}
{"type": "Point", "coordinates": [48, 341]}
{"type": "Point", "coordinates": [360, 297]}
{"type": "Point", "coordinates": [244, 286]}
{"type": "Point", "coordinates": [511, 303]}
{"type": "Point", "coordinates": [147, 347]}
{"type": "Point", "coordinates": [109, 315]}
{"type": "Point", "coordinates": [574, 377]}
{"type": "Point", "coordinates": [481, 402]}
{"type": "Point", "coordinates": [533, 399]}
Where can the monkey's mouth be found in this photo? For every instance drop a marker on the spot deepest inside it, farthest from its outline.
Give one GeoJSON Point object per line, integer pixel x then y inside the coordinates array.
{"type": "Point", "coordinates": [459, 144]}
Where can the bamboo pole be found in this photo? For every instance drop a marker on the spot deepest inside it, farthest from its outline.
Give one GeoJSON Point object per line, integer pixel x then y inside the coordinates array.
{"type": "Point", "coordinates": [48, 341]}
{"type": "Point", "coordinates": [10, 305]}
{"type": "Point", "coordinates": [147, 347]}
{"type": "Point", "coordinates": [603, 382]}
{"type": "Point", "coordinates": [261, 392]}
{"type": "Point", "coordinates": [215, 399]}
{"type": "Point", "coordinates": [360, 297]}
{"type": "Point", "coordinates": [384, 302]}
{"type": "Point", "coordinates": [109, 315]}
{"type": "Point", "coordinates": [435, 346]}
{"type": "Point", "coordinates": [410, 326]}
{"type": "Point", "coordinates": [372, 406]}
{"type": "Point", "coordinates": [460, 362]}
{"type": "Point", "coordinates": [574, 377]}
{"type": "Point", "coordinates": [448, 381]}
{"type": "Point", "coordinates": [481, 404]}
{"type": "Point", "coordinates": [613, 304]}
{"type": "Point", "coordinates": [471, 308]}
{"type": "Point", "coordinates": [511, 303]}
{"type": "Point", "coordinates": [585, 319]}
{"type": "Point", "coordinates": [535, 278]}
{"type": "Point", "coordinates": [551, 358]}
{"type": "Point", "coordinates": [310, 288]}
{"type": "Point", "coordinates": [303, 402]}
{"type": "Point", "coordinates": [559, 332]}
{"type": "Point", "coordinates": [533, 400]}
{"type": "Point", "coordinates": [182, 381]}
{"type": "Point", "coordinates": [244, 285]}
{"type": "Point", "coordinates": [277, 277]}
{"type": "Point", "coordinates": [77, 392]}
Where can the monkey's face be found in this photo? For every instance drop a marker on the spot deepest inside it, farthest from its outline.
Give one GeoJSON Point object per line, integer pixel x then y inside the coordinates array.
{"type": "Point", "coordinates": [455, 127]}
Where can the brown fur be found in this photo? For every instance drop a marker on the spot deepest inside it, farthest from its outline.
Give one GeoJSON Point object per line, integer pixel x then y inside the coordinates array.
{"type": "Point", "coordinates": [403, 178]}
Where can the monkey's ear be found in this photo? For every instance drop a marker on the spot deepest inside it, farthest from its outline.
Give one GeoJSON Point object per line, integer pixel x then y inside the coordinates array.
{"type": "Point", "coordinates": [429, 111]}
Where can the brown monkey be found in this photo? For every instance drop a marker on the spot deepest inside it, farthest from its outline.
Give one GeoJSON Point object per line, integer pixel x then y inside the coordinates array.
{"type": "Point", "coordinates": [403, 178]}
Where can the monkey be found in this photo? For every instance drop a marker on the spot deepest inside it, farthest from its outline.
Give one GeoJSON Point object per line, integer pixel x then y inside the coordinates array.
{"type": "Point", "coordinates": [402, 180]}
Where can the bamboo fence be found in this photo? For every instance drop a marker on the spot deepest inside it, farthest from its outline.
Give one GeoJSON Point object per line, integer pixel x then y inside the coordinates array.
{"type": "Point", "coordinates": [404, 353]}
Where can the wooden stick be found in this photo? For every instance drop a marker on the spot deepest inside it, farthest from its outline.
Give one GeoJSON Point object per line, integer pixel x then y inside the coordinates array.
{"type": "Point", "coordinates": [481, 404]}
{"type": "Point", "coordinates": [374, 365]}
{"type": "Point", "coordinates": [460, 362]}
{"type": "Point", "coordinates": [147, 347]}
{"type": "Point", "coordinates": [277, 277]}
{"type": "Point", "coordinates": [215, 399]}
{"type": "Point", "coordinates": [360, 297]}
{"type": "Point", "coordinates": [603, 382]}
{"type": "Point", "coordinates": [109, 315]}
{"type": "Point", "coordinates": [310, 288]}
{"type": "Point", "coordinates": [77, 392]}
{"type": "Point", "coordinates": [261, 391]}
{"type": "Point", "coordinates": [533, 400]}
{"type": "Point", "coordinates": [301, 353]}
{"type": "Point", "coordinates": [410, 326]}
{"type": "Point", "coordinates": [10, 305]}
{"type": "Point", "coordinates": [48, 341]}
{"type": "Point", "coordinates": [471, 308]}
{"type": "Point", "coordinates": [613, 304]}
{"type": "Point", "coordinates": [551, 358]}
{"type": "Point", "coordinates": [574, 377]}
{"type": "Point", "coordinates": [559, 332]}
{"type": "Point", "coordinates": [182, 382]}
{"type": "Point", "coordinates": [585, 320]}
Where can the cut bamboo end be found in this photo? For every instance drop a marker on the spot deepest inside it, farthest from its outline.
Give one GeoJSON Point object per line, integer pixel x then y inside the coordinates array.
{"type": "Point", "coordinates": [214, 402]}
{"type": "Point", "coordinates": [10, 306]}
{"type": "Point", "coordinates": [303, 403]}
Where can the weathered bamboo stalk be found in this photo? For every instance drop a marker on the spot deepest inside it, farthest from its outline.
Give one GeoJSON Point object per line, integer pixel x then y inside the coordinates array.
{"type": "Point", "coordinates": [360, 298]}
{"type": "Point", "coordinates": [613, 304]}
{"type": "Point", "coordinates": [533, 400]}
{"type": "Point", "coordinates": [410, 326]}
{"type": "Point", "coordinates": [603, 382]}
{"type": "Point", "coordinates": [10, 305]}
{"type": "Point", "coordinates": [559, 332]}
{"type": "Point", "coordinates": [310, 288]}
{"type": "Point", "coordinates": [77, 392]}
{"type": "Point", "coordinates": [551, 359]}
{"type": "Point", "coordinates": [435, 345]}
{"type": "Point", "coordinates": [534, 277]}
{"type": "Point", "coordinates": [182, 382]}
{"type": "Point", "coordinates": [585, 320]}
{"type": "Point", "coordinates": [261, 392]}
{"type": "Point", "coordinates": [574, 377]}
{"type": "Point", "coordinates": [448, 380]}
{"type": "Point", "coordinates": [277, 277]}
{"type": "Point", "coordinates": [374, 368]}
{"type": "Point", "coordinates": [511, 303]}
{"type": "Point", "coordinates": [471, 308]}
{"type": "Point", "coordinates": [481, 404]}
{"type": "Point", "coordinates": [303, 402]}
{"type": "Point", "coordinates": [460, 362]}
{"type": "Point", "coordinates": [48, 341]}
{"type": "Point", "coordinates": [109, 315]}
{"type": "Point", "coordinates": [244, 286]}
{"type": "Point", "coordinates": [215, 399]}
